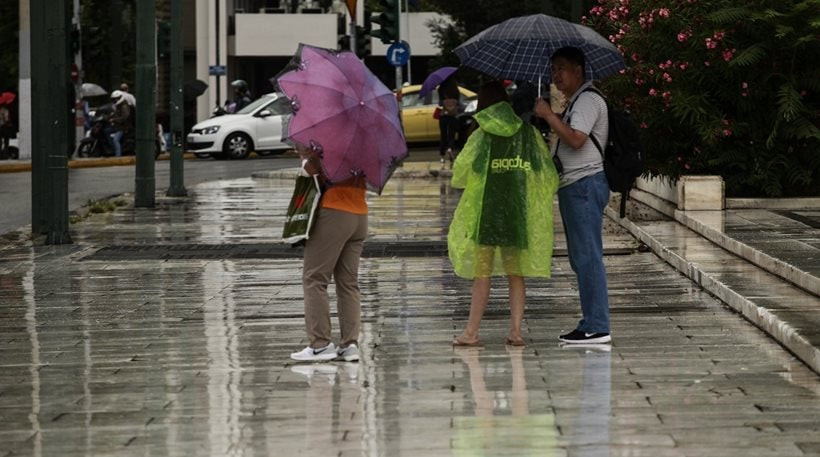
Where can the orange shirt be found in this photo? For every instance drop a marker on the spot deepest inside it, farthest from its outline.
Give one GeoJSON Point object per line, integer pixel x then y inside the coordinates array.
{"type": "Point", "coordinates": [347, 197]}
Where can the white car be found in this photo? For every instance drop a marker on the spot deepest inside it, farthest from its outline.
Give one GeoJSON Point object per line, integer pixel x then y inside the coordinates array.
{"type": "Point", "coordinates": [256, 127]}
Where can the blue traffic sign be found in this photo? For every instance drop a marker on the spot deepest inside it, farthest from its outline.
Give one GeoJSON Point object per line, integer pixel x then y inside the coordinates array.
{"type": "Point", "coordinates": [217, 70]}
{"type": "Point", "coordinates": [398, 53]}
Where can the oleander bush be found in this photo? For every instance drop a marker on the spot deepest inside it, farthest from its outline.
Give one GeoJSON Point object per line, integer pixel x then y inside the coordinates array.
{"type": "Point", "coordinates": [722, 87]}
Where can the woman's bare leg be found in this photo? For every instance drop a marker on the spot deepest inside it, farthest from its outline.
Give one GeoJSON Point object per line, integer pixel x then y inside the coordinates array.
{"type": "Point", "coordinates": [478, 303]}
{"type": "Point", "coordinates": [517, 296]}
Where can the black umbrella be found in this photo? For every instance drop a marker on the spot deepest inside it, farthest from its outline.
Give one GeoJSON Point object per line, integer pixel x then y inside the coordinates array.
{"type": "Point", "coordinates": [193, 89]}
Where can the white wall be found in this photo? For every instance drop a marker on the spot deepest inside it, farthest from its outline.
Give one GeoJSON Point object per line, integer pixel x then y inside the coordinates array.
{"type": "Point", "coordinates": [280, 34]}
{"type": "Point", "coordinates": [206, 41]}
{"type": "Point", "coordinates": [417, 34]}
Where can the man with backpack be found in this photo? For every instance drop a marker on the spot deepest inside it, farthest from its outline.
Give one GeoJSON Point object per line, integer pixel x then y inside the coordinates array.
{"type": "Point", "coordinates": [583, 191]}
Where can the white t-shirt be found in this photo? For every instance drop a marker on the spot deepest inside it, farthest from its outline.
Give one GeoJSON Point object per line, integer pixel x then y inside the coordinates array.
{"type": "Point", "coordinates": [588, 114]}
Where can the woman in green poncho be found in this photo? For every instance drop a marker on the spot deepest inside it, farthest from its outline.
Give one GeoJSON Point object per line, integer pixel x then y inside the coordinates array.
{"type": "Point", "coordinates": [503, 222]}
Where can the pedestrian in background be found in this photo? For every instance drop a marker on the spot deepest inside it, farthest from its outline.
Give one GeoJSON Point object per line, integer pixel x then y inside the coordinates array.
{"type": "Point", "coordinates": [122, 121]}
{"type": "Point", "coordinates": [503, 222]}
{"type": "Point", "coordinates": [7, 130]}
{"type": "Point", "coordinates": [127, 96]}
{"type": "Point", "coordinates": [449, 100]}
{"type": "Point", "coordinates": [583, 192]}
{"type": "Point", "coordinates": [333, 250]}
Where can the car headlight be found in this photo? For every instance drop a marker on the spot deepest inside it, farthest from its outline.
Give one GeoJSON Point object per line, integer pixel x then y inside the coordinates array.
{"type": "Point", "coordinates": [210, 130]}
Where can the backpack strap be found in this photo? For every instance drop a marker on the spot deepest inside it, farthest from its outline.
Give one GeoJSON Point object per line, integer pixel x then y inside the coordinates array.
{"type": "Point", "coordinates": [594, 90]}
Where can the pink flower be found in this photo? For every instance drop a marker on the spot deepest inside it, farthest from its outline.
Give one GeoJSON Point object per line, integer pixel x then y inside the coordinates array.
{"type": "Point", "coordinates": [666, 95]}
{"type": "Point", "coordinates": [710, 44]}
{"type": "Point", "coordinates": [744, 85]}
{"type": "Point", "coordinates": [583, 20]}
{"type": "Point", "coordinates": [622, 71]}
{"type": "Point", "coordinates": [707, 64]}
{"type": "Point", "coordinates": [663, 12]}
{"type": "Point", "coordinates": [719, 35]}
{"type": "Point", "coordinates": [683, 65]}
{"type": "Point", "coordinates": [639, 82]}
{"type": "Point", "coordinates": [687, 166]}
{"type": "Point", "coordinates": [644, 126]}
{"type": "Point", "coordinates": [653, 92]}
{"type": "Point", "coordinates": [635, 57]}
{"type": "Point", "coordinates": [682, 37]}
{"type": "Point", "coordinates": [727, 132]}
{"type": "Point", "coordinates": [728, 54]}
{"type": "Point", "coordinates": [667, 77]}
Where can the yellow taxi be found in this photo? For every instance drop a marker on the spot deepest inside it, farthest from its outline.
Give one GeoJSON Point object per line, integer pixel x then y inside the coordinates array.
{"type": "Point", "coordinates": [417, 112]}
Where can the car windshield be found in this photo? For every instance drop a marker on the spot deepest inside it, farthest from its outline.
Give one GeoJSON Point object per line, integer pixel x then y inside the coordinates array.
{"type": "Point", "coordinates": [255, 104]}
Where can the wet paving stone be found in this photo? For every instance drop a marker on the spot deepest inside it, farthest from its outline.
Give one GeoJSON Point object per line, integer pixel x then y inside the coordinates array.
{"type": "Point", "coordinates": [157, 356]}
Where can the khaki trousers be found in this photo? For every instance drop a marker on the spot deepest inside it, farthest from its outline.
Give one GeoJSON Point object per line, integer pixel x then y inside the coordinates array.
{"type": "Point", "coordinates": [334, 249]}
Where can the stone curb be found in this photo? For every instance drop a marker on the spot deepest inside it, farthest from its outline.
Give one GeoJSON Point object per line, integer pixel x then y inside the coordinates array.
{"type": "Point", "coordinates": [785, 334]}
{"type": "Point", "coordinates": [777, 267]}
{"type": "Point", "coordinates": [409, 171]}
{"type": "Point", "coordinates": [85, 163]}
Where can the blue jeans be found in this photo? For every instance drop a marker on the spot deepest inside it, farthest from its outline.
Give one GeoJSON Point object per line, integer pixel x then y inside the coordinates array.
{"type": "Point", "coordinates": [116, 140]}
{"type": "Point", "coordinates": [582, 206]}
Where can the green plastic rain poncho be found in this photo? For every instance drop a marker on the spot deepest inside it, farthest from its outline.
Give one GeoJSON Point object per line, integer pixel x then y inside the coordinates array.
{"type": "Point", "coordinates": [503, 222]}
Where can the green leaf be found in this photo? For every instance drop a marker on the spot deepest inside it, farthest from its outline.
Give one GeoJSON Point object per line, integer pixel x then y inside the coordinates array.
{"type": "Point", "coordinates": [727, 15]}
{"type": "Point", "coordinates": [749, 56]}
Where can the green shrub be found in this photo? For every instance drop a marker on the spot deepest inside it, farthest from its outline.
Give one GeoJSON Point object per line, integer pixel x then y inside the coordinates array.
{"type": "Point", "coordinates": [722, 87]}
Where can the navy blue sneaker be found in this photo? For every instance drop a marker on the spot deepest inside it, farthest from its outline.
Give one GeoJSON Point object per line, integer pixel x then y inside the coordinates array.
{"type": "Point", "coordinates": [577, 336]}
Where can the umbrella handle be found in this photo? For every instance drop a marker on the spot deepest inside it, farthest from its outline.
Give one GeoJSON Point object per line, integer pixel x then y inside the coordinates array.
{"type": "Point", "coordinates": [539, 86]}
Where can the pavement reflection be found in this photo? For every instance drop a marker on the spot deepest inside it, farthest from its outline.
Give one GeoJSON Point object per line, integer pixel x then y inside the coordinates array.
{"type": "Point", "coordinates": [140, 354]}
{"type": "Point", "coordinates": [503, 423]}
{"type": "Point", "coordinates": [589, 436]}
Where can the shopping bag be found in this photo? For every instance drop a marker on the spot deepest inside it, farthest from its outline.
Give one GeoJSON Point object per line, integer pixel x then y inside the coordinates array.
{"type": "Point", "coordinates": [437, 112]}
{"type": "Point", "coordinates": [302, 209]}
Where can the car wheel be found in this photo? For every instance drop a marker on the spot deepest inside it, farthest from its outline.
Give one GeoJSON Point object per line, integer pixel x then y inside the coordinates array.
{"type": "Point", "coordinates": [237, 146]}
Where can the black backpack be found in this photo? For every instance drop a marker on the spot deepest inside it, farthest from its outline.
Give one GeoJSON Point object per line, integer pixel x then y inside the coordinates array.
{"type": "Point", "coordinates": [623, 156]}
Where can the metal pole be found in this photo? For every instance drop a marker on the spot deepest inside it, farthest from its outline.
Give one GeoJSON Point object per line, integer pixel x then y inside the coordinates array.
{"type": "Point", "coordinates": [353, 36]}
{"type": "Point", "coordinates": [79, 118]}
{"type": "Point", "coordinates": [216, 27]}
{"type": "Point", "coordinates": [146, 75]}
{"type": "Point", "coordinates": [115, 45]}
{"type": "Point", "coordinates": [49, 70]}
{"type": "Point", "coordinates": [407, 34]}
{"type": "Point", "coordinates": [398, 37]}
{"type": "Point", "coordinates": [177, 187]}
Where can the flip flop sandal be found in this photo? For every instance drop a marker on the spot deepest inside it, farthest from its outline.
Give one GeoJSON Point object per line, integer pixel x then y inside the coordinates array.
{"type": "Point", "coordinates": [459, 343]}
{"type": "Point", "coordinates": [512, 342]}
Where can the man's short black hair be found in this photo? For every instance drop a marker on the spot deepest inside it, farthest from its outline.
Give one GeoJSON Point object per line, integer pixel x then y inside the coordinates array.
{"type": "Point", "coordinates": [571, 54]}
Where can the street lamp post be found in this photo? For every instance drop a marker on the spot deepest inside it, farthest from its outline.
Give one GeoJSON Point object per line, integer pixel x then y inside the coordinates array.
{"type": "Point", "coordinates": [177, 187]}
{"type": "Point", "coordinates": [49, 94]}
{"type": "Point", "coordinates": [146, 74]}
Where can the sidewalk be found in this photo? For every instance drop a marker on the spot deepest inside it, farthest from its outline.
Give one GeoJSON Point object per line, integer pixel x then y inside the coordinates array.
{"type": "Point", "coordinates": [166, 331]}
{"type": "Point", "coordinates": [21, 165]}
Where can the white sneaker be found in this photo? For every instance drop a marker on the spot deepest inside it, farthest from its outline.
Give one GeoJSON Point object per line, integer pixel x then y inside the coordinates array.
{"type": "Point", "coordinates": [349, 353]}
{"type": "Point", "coordinates": [309, 354]}
{"type": "Point", "coordinates": [317, 372]}
{"type": "Point", "coordinates": [350, 370]}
